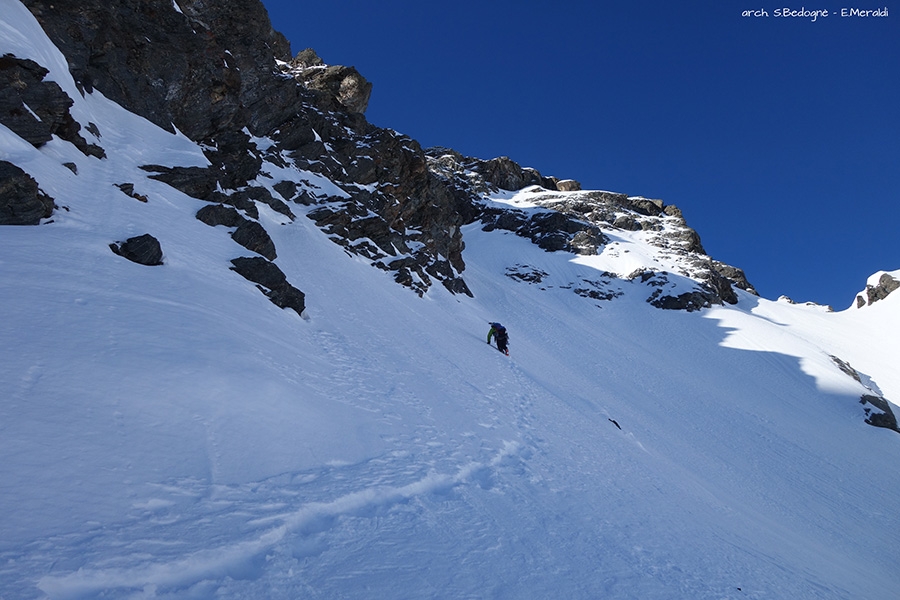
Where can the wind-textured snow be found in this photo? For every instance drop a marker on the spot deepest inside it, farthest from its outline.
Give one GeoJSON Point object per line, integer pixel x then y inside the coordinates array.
{"type": "Point", "coordinates": [167, 432]}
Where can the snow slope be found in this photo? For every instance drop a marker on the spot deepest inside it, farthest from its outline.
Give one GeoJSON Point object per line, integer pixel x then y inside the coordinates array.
{"type": "Point", "coordinates": [167, 432]}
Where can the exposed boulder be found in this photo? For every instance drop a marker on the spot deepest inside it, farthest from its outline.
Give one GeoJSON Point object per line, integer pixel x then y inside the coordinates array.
{"type": "Point", "coordinates": [271, 281]}
{"type": "Point", "coordinates": [234, 162]}
{"type": "Point", "coordinates": [202, 183]}
{"type": "Point", "coordinates": [143, 249]}
{"type": "Point", "coordinates": [21, 200]}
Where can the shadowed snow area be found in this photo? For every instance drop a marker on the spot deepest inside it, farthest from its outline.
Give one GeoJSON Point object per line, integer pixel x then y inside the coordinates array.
{"type": "Point", "coordinates": [167, 432]}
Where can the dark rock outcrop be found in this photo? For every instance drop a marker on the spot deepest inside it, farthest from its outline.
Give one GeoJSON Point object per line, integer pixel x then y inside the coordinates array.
{"type": "Point", "coordinates": [701, 296]}
{"type": "Point", "coordinates": [252, 236]}
{"type": "Point", "coordinates": [249, 234]}
{"type": "Point", "coordinates": [551, 230]}
{"type": "Point", "coordinates": [344, 83]}
{"type": "Point", "coordinates": [21, 200]}
{"type": "Point", "coordinates": [689, 301]}
{"type": "Point", "coordinates": [883, 416]}
{"type": "Point", "coordinates": [506, 174]}
{"type": "Point", "coordinates": [35, 109]}
{"type": "Point", "coordinates": [142, 249]}
{"type": "Point", "coordinates": [128, 190]}
{"type": "Point", "coordinates": [219, 214]}
{"type": "Point", "coordinates": [261, 194]}
{"type": "Point", "coordinates": [477, 175]}
{"type": "Point", "coordinates": [204, 69]}
{"type": "Point", "coordinates": [885, 286]}
{"type": "Point", "coordinates": [197, 182]}
{"type": "Point", "coordinates": [271, 281]}
{"type": "Point", "coordinates": [877, 409]}
{"type": "Point", "coordinates": [410, 224]}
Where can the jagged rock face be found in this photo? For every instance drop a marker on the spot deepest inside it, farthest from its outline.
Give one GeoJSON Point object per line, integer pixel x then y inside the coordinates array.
{"type": "Point", "coordinates": [409, 225]}
{"type": "Point", "coordinates": [21, 201]}
{"type": "Point", "coordinates": [204, 68]}
{"type": "Point", "coordinates": [212, 69]}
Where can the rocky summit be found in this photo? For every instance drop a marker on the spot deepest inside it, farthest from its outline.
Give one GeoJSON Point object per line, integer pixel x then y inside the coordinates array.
{"type": "Point", "coordinates": [219, 73]}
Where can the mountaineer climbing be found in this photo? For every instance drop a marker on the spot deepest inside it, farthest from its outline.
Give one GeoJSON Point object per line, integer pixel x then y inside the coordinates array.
{"type": "Point", "coordinates": [498, 332]}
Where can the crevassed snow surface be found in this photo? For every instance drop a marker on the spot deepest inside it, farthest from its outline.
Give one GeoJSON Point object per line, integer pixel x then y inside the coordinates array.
{"type": "Point", "coordinates": [167, 432]}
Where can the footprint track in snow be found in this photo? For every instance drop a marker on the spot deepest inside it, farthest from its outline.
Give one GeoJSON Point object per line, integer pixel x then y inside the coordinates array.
{"type": "Point", "coordinates": [266, 517]}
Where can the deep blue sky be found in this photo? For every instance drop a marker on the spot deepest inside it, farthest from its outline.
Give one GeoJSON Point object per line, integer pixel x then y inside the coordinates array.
{"type": "Point", "coordinates": [778, 137]}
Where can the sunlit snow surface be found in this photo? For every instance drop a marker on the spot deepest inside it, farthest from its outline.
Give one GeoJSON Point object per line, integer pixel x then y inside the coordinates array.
{"type": "Point", "coordinates": [167, 432]}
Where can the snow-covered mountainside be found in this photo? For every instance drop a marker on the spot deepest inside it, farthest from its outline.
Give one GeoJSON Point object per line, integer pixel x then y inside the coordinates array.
{"type": "Point", "coordinates": [227, 371]}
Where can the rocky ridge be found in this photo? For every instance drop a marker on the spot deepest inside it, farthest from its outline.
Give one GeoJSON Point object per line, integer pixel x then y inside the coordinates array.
{"type": "Point", "coordinates": [219, 73]}
{"type": "Point", "coordinates": [571, 220]}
